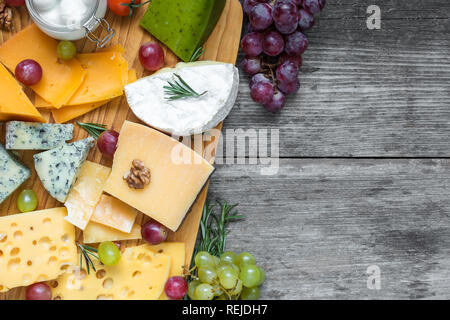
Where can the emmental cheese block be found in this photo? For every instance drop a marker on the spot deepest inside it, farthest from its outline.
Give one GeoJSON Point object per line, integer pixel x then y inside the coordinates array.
{"type": "Point", "coordinates": [140, 275]}
{"type": "Point", "coordinates": [59, 168]}
{"type": "Point", "coordinates": [35, 247]}
{"type": "Point", "coordinates": [178, 174]}
{"type": "Point", "coordinates": [114, 213]}
{"type": "Point", "coordinates": [60, 79]}
{"type": "Point", "coordinates": [14, 103]}
{"type": "Point", "coordinates": [12, 174]}
{"type": "Point", "coordinates": [86, 193]}
{"type": "Point", "coordinates": [96, 233]}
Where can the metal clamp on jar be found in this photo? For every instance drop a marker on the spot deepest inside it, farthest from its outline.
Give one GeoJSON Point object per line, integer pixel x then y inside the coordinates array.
{"type": "Point", "coordinates": [71, 19]}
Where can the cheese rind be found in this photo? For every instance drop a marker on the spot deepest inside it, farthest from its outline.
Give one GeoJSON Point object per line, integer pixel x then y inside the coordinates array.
{"type": "Point", "coordinates": [147, 97]}
{"type": "Point", "coordinates": [58, 168]}
{"type": "Point", "coordinates": [60, 79]}
{"type": "Point", "coordinates": [14, 103]}
{"type": "Point", "coordinates": [96, 233]}
{"type": "Point", "coordinates": [114, 213]}
{"type": "Point", "coordinates": [12, 173]}
{"type": "Point", "coordinates": [140, 275]}
{"type": "Point", "coordinates": [34, 246]}
{"type": "Point", "coordinates": [36, 136]}
{"type": "Point", "coordinates": [175, 183]}
{"type": "Point", "coordinates": [86, 193]}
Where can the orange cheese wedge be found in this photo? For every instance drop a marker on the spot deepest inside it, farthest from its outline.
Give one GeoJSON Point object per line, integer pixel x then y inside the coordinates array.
{"type": "Point", "coordinates": [14, 103]}
{"type": "Point", "coordinates": [60, 79]}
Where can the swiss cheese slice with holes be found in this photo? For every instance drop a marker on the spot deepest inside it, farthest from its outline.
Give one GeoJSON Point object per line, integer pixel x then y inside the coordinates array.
{"type": "Point", "coordinates": [35, 247]}
{"type": "Point", "coordinates": [140, 275]}
{"type": "Point", "coordinates": [60, 79]}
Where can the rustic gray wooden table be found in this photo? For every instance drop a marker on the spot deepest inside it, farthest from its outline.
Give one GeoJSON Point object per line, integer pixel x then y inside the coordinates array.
{"type": "Point", "coordinates": [363, 185]}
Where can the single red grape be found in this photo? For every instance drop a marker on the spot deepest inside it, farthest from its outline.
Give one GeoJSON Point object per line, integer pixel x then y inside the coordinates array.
{"type": "Point", "coordinates": [285, 15]}
{"type": "Point", "coordinates": [262, 92]}
{"type": "Point", "coordinates": [176, 288]}
{"type": "Point", "coordinates": [15, 3]}
{"type": "Point", "coordinates": [154, 232]}
{"type": "Point", "coordinates": [289, 87]}
{"type": "Point", "coordinates": [107, 143]}
{"type": "Point", "coordinates": [251, 44]}
{"type": "Point", "coordinates": [261, 16]}
{"type": "Point", "coordinates": [29, 72]}
{"type": "Point", "coordinates": [313, 6]}
{"type": "Point", "coordinates": [39, 291]}
{"type": "Point", "coordinates": [277, 103]}
{"type": "Point", "coordinates": [295, 59]}
{"type": "Point", "coordinates": [151, 56]}
{"type": "Point", "coordinates": [287, 72]}
{"type": "Point", "coordinates": [273, 43]}
{"type": "Point", "coordinates": [306, 20]}
{"type": "Point", "coordinates": [251, 65]}
{"type": "Point", "coordinates": [296, 44]}
{"type": "Point", "coordinates": [259, 77]}
{"type": "Point", "coordinates": [248, 5]}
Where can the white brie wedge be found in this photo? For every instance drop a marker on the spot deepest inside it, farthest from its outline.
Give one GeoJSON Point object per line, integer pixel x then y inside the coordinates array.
{"type": "Point", "coordinates": [191, 115]}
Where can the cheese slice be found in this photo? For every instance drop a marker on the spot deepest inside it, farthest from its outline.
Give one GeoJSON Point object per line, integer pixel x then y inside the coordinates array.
{"type": "Point", "coordinates": [177, 252]}
{"type": "Point", "coordinates": [114, 213]}
{"type": "Point", "coordinates": [86, 193]}
{"type": "Point", "coordinates": [60, 79]}
{"type": "Point", "coordinates": [107, 73]}
{"type": "Point", "coordinates": [35, 247]}
{"type": "Point", "coordinates": [12, 174]}
{"type": "Point", "coordinates": [68, 113]}
{"type": "Point", "coordinates": [140, 275]}
{"type": "Point", "coordinates": [96, 233]}
{"type": "Point", "coordinates": [175, 180]}
{"type": "Point", "coordinates": [14, 103]}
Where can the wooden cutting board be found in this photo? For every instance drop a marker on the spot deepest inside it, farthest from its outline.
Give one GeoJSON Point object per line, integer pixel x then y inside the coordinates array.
{"type": "Point", "coordinates": [223, 46]}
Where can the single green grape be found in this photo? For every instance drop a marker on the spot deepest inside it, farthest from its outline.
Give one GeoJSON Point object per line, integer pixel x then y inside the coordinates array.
{"type": "Point", "coordinates": [204, 291]}
{"type": "Point", "coordinates": [216, 261]}
{"type": "Point", "coordinates": [108, 253]}
{"type": "Point", "coordinates": [223, 265]}
{"type": "Point", "coordinates": [262, 276]}
{"type": "Point", "coordinates": [217, 289]}
{"type": "Point", "coordinates": [191, 288]}
{"type": "Point", "coordinates": [237, 289]}
{"type": "Point", "coordinates": [250, 293]}
{"type": "Point", "coordinates": [230, 257]}
{"type": "Point", "coordinates": [66, 50]}
{"type": "Point", "coordinates": [228, 278]}
{"type": "Point", "coordinates": [245, 258]}
{"type": "Point", "coordinates": [27, 201]}
{"type": "Point", "coordinates": [250, 275]}
{"type": "Point", "coordinates": [203, 259]}
{"type": "Point", "coordinates": [207, 274]}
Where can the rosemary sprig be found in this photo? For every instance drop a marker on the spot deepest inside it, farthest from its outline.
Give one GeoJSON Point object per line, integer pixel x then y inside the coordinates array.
{"type": "Point", "coordinates": [213, 228]}
{"type": "Point", "coordinates": [86, 252]}
{"type": "Point", "coordinates": [197, 54]}
{"type": "Point", "coordinates": [180, 89]}
{"type": "Point", "coordinates": [94, 129]}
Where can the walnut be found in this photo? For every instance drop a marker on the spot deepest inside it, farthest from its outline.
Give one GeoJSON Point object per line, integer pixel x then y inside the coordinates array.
{"type": "Point", "coordinates": [6, 15]}
{"type": "Point", "coordinates": [138, 176]}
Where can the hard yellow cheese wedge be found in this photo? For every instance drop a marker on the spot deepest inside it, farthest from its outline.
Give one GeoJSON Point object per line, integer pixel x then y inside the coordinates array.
{"type": "Point", "coordinates": [177, 252]}
{"type": "Point", "coordinates": [140, 275]}
{"type": "Point", "coordinates": [34, 247]}
{"type": "Point", "coordinates": [114, 213]}
{"type": "Point", "coordinates": [60, 79]}
{"type": "Point", "coordinates": [96, 233]}
{"type": "Point", "coordinates": [174, 184]}
{"type": "Point", "coordinates": [14, 103]}
{"type": "Point", "coordinates": [86, 193]}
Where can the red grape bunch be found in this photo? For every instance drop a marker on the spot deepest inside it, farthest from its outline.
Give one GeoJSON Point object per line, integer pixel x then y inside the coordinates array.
{"type": "Point", "coordinates": [274, 46]}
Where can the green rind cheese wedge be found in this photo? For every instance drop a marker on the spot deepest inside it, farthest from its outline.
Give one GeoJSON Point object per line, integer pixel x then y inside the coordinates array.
{"type": "Point", "coordinates": [182, 25]}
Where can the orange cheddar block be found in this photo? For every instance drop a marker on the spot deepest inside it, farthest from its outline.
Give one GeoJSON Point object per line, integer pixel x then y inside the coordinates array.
{"type": "Point", "coordinates": [178, 174]}
{"type": "Point", "coordinates": [60, 79]}
{"type": "Point", "coordinates": [71, 112]}
{"type": "Point", "coordinates": [14, 103]}
{"type": "Point", "coordinates": [114, 213]}
{"type": "Point", "coordinates": [107, 73]}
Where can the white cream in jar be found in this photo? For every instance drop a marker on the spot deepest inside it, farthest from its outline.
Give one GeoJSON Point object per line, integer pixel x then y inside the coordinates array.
{"type": "Point", "coordinates": [71, 19]}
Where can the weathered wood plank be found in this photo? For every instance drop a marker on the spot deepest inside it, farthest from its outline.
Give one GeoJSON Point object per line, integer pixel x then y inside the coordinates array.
{"type": "Point", "coordinates": [366, 93]}
{"type": "Point", "coordinates": [319, 224]}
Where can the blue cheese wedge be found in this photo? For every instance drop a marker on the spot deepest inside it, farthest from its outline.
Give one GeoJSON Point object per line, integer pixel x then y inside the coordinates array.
{"type": "Point", "coordinates": [12, 173]}
{"type": "Point", "coordinates": [147, 97]}
{"type": "Point", "coordinates": [36, 136]}
{"type": "Point", "coordinates": [58, 168]}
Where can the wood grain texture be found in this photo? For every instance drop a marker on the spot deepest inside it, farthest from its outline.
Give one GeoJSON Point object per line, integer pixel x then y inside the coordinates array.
{"type": "Point", "coordinates": [366, 93]}
{"type": "Point", "coordinates": [222, 45]}
{"type": "Point", "coordinates": [319, 224]}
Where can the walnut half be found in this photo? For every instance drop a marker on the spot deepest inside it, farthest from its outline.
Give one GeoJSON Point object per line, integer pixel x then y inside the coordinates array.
{"type": "Point", "coordinates": [138, 176]}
